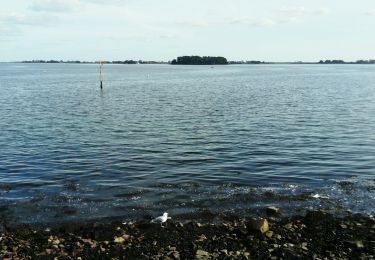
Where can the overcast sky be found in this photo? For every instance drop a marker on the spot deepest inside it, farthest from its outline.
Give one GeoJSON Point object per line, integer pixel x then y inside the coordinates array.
{"type": "Point", "coordinates": [270, 30]}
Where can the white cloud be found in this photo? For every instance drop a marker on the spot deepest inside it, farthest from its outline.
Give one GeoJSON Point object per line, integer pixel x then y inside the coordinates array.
{"type": "Point", "coordinates": [253, 21]}
{"type": "Point", "coordinates": [195, 23]}
{"type": "Point", "coordinates": [106, 2]}
{"type": "Point", "coordinates": [321, 11]}
{"type": "Point", "coordinates": [14, 19]}
{"type": "Point", "coordinates": [298, 11]}
{"type": "Point", "coordinates": [55, 5]}
{"type": "Point", "coordinates": [370, 12]}
{"type": "Point", "coordinates": [288, 14]}
{"type": "Point", "coordinates": [168, 36]}
{"type": "Point", "coordinates": [65, 6]}
{"type": "Point", "coordinates": [294, 11]}
{"type": "Point", "coordinates": [6, 32]}
{"type": "Point", "coordinates": [295, 14]}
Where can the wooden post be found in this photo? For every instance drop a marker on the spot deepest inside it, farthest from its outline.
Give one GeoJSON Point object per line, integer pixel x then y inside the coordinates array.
{"type": "Point", "coordinates": [101, 74]}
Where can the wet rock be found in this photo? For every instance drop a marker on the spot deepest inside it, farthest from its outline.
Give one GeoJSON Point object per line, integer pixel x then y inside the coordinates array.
{"type": "Point", "coordinates": [359, 244]}
{"type": "Point", "coordinates": [119, 240]}
{"type": "Point", "coordinates": [289, 226]}
{"type": "Point", "coordinates": [179, 224]}
{"type": "Point", "coordinates": [259, 225]}
{"type": "Point", "coordinates": [201, 238]}
{"type": "Point", "coordinates": [355, 244]}
{"type": "Point", "coordinates": [269, 234]}
{"type": "Point", "coordinates": [201, 254]}
{"type": "Point", "coordinates": [224, 251]}
{"type": "Point", "coordinates": [273, 210]}
{"type": "Point", "coordinates": [176, 255]}
{"type": "Point", "coordinates": [343, 226]}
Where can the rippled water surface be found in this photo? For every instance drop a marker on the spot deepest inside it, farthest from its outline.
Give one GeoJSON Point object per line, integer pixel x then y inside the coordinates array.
{"type": "Point", "coordinates": [184, 139]}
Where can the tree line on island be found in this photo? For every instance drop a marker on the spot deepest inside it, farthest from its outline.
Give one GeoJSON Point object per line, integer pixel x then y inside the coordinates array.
{"type": "Point", "coordinates": [198, 60]}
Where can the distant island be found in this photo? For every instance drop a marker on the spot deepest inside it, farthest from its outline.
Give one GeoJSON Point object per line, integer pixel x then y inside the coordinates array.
{"type": "Point", "coordinates": [197, 60]}
{"type": "Point", "coordinates": [205, 60]}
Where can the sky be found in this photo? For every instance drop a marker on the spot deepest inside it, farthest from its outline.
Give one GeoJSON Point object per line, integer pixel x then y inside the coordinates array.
{"type": "Point", "coordinates": [268, 30]}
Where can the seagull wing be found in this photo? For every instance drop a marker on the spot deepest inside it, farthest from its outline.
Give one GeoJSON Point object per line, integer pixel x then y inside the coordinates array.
{"type": "Point", "coordinates": [157, 220]}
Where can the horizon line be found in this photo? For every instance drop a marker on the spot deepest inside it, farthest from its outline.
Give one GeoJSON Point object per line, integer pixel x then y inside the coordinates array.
{"type": "Point", "coordinates": [247, 61]}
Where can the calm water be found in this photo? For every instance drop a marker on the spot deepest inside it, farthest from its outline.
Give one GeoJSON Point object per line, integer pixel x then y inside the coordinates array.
{"type": "Point", "coordinates": [184, 139]}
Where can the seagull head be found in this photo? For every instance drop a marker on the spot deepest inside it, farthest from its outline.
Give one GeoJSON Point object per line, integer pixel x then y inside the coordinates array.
{"type": "Point", "coordinates": [165, 214]}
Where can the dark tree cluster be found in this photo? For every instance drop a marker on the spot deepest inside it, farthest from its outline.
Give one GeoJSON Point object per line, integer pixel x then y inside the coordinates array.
{"type": "Point", "coordinates": [125, 62]}
{"type": "Point", "coordinates": [42, 61]}
{"type": "Point", "coordinates": [332, 62]}
{"type": "Point", "coordinates": [365, 62]}
{"type": "Point", "coordinates": [247, 62]}
{"type": "Point", "coordinates": [151, 62]}
{"type": "Point", "coordinates": [344, 62]}
{"type": "Point", "coordinates": [197, 60]}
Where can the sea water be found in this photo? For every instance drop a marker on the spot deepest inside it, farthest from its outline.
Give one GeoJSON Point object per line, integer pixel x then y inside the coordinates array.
{"type": "Point", "coordinates": [184, 139]}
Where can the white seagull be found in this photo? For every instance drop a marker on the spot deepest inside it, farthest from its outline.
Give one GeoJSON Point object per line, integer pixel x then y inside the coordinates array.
{"type": "Point", "coordinates": [318, 196]}
{"type": "Point", "coordinates": [161, 219]}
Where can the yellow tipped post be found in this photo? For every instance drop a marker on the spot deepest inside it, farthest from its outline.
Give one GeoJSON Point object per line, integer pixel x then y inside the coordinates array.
{"type": "Point", "coordinates": [101, 74]}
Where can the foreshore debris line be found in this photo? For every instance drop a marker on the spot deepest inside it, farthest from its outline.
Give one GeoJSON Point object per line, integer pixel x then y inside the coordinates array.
{"type": "Point", "coordinates": [318, 235]}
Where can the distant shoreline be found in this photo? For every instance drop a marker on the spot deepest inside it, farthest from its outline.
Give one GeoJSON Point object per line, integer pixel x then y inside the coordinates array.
{"type": "Point", "coordinates": [200, 60]}
{"type": "Point", "coordinates": [369, 62]}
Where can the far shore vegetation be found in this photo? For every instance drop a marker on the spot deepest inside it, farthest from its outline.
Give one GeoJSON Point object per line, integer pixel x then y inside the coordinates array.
{"type": "Point", "coordinates": [198, 60]}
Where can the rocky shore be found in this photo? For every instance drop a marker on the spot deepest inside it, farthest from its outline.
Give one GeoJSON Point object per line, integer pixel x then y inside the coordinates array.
{"type": "Point", "coordinates": [318, 235]}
